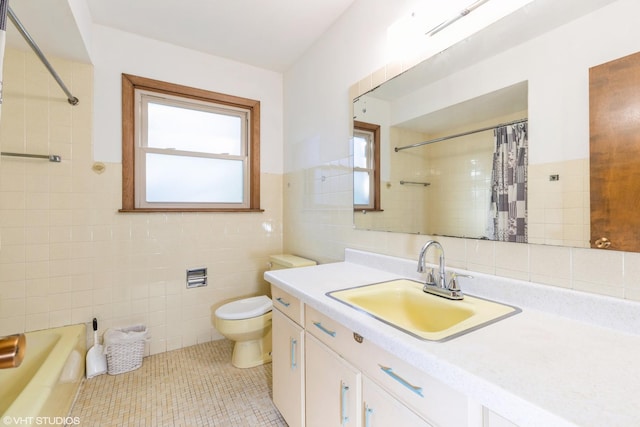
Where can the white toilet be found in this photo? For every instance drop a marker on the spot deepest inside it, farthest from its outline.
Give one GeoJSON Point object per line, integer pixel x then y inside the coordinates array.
{"type": "Point", "coordinates": [248, 321]}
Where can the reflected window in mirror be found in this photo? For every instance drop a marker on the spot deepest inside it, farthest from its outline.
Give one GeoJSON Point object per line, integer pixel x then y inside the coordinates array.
{"type": "Point", "coordinates": [475, 84]}
{"type": "Point", "coordinates": [366, 166]}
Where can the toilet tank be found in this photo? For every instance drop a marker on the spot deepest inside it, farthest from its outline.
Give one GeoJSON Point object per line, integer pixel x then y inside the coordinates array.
{"type": "Point", "coordinates": [278, 262]}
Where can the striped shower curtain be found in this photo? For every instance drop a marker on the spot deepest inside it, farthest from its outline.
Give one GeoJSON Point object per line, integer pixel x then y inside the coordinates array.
{"type": "Point", "coordinates": [508, 222]}
{"type": "Point", "coordinates": [4, 4]}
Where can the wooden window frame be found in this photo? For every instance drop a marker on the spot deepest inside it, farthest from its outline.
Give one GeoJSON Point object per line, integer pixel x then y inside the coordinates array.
{"type": "Point", "coordinates": [375, 129]}
{"type": "Point", "coordinates": [130, 84]}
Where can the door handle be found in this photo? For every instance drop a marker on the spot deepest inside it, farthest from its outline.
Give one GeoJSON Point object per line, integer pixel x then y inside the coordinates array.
{"type": "Point", "coordinates": [293, 353]}
{"type": "Point", "coordinates": [367, 415]}
{"type": "Point", "coordinates": [603, 243]}
{"type": "Point", "coordinates": [343, 397]}
{"type": "Point", "coordinates": [283, 302]}
{"type": "Point", "coordinates": [323, 329]}
{"type": "Point", "coordinates": [417, 390]}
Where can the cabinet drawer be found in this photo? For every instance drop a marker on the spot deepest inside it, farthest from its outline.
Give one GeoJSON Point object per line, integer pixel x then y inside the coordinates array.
{"type": "Point", "coordinates": [288, 304]}
{"type": "Point", "coordinates": [430, 398]}
{"type": "Point", "coordinates": [333, 334]}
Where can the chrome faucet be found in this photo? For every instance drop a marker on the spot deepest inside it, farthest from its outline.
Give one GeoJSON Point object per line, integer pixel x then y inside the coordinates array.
{"type": "Point", "coordinates": [440, 288]}
{"type": "Point", "coordinates": [441, 269]}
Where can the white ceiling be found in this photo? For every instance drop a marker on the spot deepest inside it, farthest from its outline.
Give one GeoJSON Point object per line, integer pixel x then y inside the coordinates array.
{"type": "Point", "coordinates": [270, 34]}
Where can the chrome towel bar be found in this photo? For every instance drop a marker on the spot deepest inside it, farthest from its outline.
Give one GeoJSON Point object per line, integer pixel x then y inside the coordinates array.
{"type": "Point", "coordinates": [51, 157]}
{"type": "Point", "coordinates": [426, 184]}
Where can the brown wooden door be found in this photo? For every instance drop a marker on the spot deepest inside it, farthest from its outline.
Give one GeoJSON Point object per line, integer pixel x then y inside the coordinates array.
{"type": "Point", "coordinates": [614, 97]}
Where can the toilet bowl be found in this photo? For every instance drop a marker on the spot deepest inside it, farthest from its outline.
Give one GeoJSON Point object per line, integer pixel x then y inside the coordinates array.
{"type": "Point", "coordinates": [248, 323]}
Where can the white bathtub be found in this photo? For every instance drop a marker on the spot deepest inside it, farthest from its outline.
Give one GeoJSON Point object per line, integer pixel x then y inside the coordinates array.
{"type": "Point", "coordinates": [48, 379]}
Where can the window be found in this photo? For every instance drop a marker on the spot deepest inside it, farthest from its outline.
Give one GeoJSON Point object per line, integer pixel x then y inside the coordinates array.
{"type": "Point", "coordinates": [187, 149]}
{"type": "Point", "coordinates": [366, 166]}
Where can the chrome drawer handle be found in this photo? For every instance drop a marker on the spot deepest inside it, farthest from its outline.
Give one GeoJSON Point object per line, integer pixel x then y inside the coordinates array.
{"type": "Point", "coordinates": [417, 390]}
{"type": "Point", "coordinates": [323, 329]}
{"type": "Point", "coordinates": [281, 301]}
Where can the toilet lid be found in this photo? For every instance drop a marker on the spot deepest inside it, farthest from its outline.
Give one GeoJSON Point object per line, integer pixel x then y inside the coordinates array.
{"type": "Point", "coordinates": [245, 308]}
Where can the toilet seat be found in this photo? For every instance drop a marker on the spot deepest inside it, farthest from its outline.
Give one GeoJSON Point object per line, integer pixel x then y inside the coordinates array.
{"type": "Point", "coordinates": [245, 308]}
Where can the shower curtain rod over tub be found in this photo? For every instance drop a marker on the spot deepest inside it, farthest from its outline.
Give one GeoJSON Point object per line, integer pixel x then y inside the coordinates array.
{"type": "Point", "coordinates": [444, 138]}
{"type": "Point", "coordinates": [70, 98]}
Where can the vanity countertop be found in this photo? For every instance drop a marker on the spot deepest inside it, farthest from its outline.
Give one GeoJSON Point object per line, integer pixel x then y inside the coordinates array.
{"type": "Point", "coordinates": [537, 368]}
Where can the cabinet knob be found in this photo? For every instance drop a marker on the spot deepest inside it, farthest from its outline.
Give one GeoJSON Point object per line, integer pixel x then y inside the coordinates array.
{"type": "Point", "coordinates": [603, 243]}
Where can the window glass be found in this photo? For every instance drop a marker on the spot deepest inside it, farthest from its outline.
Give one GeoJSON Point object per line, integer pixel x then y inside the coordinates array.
{"type": "Point", "coordinates": [360, 151]}
{"type": "Point", "coordinates": [193, 179]}
{"type": "Point", "coordinates": [361, 188]}
{"type": "Point", "coordinates": [191, 129]}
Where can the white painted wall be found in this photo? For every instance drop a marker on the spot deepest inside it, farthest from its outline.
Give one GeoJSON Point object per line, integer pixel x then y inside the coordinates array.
{"type": "Point", "coordinates": [115, 52]}
{"type": "Point", "coordinates": [82, 17]}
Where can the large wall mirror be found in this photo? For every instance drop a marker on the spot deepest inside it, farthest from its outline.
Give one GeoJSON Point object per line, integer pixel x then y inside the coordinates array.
{"type": "Point", "coordinates": [497, 121]}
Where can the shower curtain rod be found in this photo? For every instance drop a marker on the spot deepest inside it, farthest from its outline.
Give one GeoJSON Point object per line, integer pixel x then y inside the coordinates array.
{"type": "Point", "coordinates": [70, 98]}
{"type": "Point", "coordinates": [444, 138]}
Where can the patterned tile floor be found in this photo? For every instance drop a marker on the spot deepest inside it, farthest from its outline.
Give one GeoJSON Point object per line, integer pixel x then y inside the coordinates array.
{"type": "Point", "coordinates": [194, 386]}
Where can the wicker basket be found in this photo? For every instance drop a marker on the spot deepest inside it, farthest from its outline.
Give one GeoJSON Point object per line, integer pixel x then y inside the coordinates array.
{"type": "Point", "coordinates": [127, 355]}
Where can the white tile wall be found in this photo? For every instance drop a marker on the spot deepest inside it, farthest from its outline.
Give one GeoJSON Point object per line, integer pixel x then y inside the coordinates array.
{"type": "Point", "coordinates": [67, 255]}
{"type": "Point", "coordinates": [559, 210]}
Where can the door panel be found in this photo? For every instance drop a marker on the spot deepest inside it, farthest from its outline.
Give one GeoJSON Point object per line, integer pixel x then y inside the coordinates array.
{"type": "Point", "coordinates": [614, 101]}
{"type": "Point", "coordinates": [333, 388]}
{"type": "Point", "coordinates": [288, 369]}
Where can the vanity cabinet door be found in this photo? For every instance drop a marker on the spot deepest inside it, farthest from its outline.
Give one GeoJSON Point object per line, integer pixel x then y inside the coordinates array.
{"type": "Point", "coordinates": [288, 369]}
{"type": "Point", "coordinates": [382, 410]}
{"type": "Point", "coordinates": [333, 388]}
